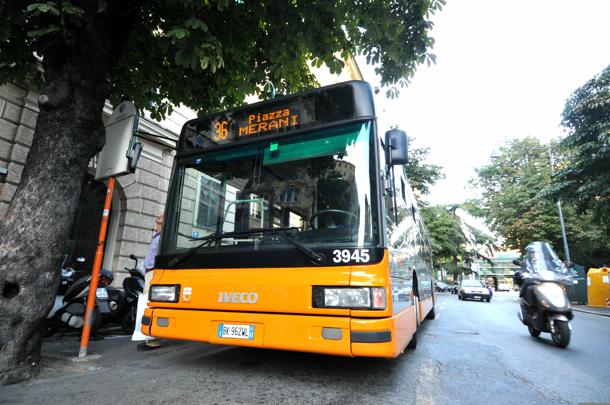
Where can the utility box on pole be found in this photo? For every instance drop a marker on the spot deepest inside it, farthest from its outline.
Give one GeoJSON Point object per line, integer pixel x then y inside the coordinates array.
{"type": "Point", "coordinates": [121, 150]}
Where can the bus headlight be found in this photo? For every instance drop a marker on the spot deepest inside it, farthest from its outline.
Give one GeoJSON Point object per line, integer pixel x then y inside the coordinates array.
{"type": "Point", "coordinates": [164, 293]}
{"type": "Point", "coordinates": [349, 297]}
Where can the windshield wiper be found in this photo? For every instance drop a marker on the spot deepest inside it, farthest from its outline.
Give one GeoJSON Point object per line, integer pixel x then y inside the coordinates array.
{"type": "Point", "coordinates": [315, 257]}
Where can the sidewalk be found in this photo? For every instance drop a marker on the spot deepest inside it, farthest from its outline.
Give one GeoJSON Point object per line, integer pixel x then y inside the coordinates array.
{"type": "Point", "coordinates": [592, 310]}
{"type": "Point", "coordinates": [114, 372]}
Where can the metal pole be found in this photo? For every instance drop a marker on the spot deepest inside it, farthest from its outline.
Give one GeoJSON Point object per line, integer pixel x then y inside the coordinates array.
{"type": "Point", "coordinates": [97, 264]}
{"type": "Point", "coordinates": [566, 250]}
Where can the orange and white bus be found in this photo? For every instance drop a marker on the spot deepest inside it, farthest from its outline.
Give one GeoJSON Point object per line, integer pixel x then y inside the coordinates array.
{"type": "Point", "coordinates": [290, 225]}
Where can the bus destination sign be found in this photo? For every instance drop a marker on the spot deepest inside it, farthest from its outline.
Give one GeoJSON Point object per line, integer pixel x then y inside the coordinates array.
{"type": "Point", "coordinates": [257, 123]}
{"type": "Point", "coordinates": [278, 116]}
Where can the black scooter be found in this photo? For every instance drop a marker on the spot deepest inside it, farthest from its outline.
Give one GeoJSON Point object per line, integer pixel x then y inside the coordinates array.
{"type": "Point", "coordinates": [68, 311]}
{"type": "Point", "coordinates": [124, 302]}
{"type": "Point", "coordinates": [545, 306]}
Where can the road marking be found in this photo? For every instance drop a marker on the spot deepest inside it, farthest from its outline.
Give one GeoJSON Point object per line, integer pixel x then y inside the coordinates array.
{"type": "Point", "coordinates": [427, 379]}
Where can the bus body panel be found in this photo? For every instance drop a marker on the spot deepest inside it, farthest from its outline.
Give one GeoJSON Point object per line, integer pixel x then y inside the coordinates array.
{"type": "Point", "coordinates": [285, 331]}
{"type": "Point", "coordinates": [425, 306]}
{"type": "Point", "coordinates": [286, 319]}
{"type": "Point", "coordinates": [402, 326]}
{"type": "Point", "coordinates": [285, 290]}
{"type": "Point", "coordinates": [272, 331]}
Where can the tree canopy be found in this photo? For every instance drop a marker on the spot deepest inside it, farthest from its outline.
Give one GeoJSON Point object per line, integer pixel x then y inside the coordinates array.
{"type": "Point", "coordinates": [584, 178]}
{"type": "Point", "coordinates": [517, 207]}
{"type": "Point", "coordinates": [210, 54]}
{"type": "Point", "coordinates": [455, 244]}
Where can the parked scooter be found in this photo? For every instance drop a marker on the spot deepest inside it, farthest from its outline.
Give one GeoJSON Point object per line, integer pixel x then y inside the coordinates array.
{"type": "Point", "coordinates": [69, 308]}
{"type": "Point", "coordinates": [545, 306]}
{"type": "Point", "coordinates": [124, 302]}
{"type": "Point", "coordinates": [67, 275]}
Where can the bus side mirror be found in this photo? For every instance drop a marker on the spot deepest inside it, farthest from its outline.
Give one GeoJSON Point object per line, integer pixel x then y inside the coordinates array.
{"type": "Point", "coordinates": [518, 262]}
{"type": "Point", "coordinates": [396, 147]}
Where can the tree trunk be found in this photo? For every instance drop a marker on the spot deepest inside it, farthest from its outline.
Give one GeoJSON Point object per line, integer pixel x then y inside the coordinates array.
{"type": "Point", "coordinates": [35, 231]}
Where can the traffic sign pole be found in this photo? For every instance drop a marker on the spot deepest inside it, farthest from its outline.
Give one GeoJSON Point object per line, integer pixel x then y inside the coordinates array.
{"type": "Point", "coordinates": [97, 265]}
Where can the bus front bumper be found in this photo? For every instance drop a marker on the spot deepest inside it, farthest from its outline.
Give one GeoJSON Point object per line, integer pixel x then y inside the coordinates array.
{"type": "Point", "coordinates": [333, 335]}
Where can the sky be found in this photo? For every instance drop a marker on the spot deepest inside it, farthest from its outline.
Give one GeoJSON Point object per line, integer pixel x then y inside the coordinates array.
{"type": "Point", "coordinates": [504, 69]}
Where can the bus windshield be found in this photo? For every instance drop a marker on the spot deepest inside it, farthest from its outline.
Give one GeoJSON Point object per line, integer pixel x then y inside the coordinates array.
{"type": "Point", "coordinates": [320, 185]}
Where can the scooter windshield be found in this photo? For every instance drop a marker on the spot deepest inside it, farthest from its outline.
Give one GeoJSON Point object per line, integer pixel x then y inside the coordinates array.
{"type": "Point", "coordinates": [540, 258]}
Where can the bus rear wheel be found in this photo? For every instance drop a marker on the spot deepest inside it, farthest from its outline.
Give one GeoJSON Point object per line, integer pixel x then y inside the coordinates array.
{"type": "Point", "coordinates": [413, 343]}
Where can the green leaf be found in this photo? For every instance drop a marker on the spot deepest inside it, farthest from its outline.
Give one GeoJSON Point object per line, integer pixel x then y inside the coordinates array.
{"type": "Point", "coordinates": [205, 62]}
{"type": "Point", "coordinates": [39, 33]}
{"type": "Point", "coordinates": [196, 23]}
{"type": "Point", "coordinates": [178, 33]}
{"type": "Point", "coordinates": [68, 8]}
{"type": "Point", "coordinates": [48, 7]}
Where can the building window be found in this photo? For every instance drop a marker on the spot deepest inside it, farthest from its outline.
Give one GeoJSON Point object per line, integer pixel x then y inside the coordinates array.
{"type": "Point", "coordinates": [207, 202]}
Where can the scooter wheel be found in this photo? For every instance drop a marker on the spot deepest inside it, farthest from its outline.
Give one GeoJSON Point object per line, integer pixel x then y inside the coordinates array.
{"type": "Point", "coordinates": [561, 337]}
{"type": "Point", "coordinates": [47, 328]}
{"type": "Point", "coordinates": [533, 332]}
{"type": "Point", "coordinates": [97, 321]}
{"type": "Point", "coordinates": [128, 321]}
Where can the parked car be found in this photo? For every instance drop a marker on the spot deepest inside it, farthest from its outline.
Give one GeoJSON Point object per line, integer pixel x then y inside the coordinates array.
{"type": "Point", "coordinates": [474, 289]}
{"type": "Point", "coordinates": [503, 287]}
{"type": "Point", "coordinates": [441, 286]}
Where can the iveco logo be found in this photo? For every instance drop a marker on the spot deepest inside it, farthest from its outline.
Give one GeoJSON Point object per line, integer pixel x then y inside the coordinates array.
{"type": "Point", "coordinates": [238, 298]}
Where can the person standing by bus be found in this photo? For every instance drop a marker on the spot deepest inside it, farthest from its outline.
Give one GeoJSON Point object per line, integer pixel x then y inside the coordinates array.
{"type": "Point", "coordinates": [149, 265]}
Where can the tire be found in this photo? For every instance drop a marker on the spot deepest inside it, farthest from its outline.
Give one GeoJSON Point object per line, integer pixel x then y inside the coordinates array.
{"type": "Point", "coordinates": [432, 313]}
{"type": "Point", "coordinates": [128, 320]}
{"type": "Point", "coordinates": [561, 337]}
{"type": "Point", "coordinates": [48, 329]}
{"type": "Point", "coordinates": [533, 332]}
{"type": "Point", "coordinates": [459, 297]}
{"type": "Point", "coordinates": [413, 343]}
{"type": "Point", "coordinates": [97, 321]}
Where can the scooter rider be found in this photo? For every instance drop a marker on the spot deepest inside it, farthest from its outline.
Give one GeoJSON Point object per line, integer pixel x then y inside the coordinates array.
{"type": "Point", "coordinates": [545, 306]}
{"type": "Point", "coordinates": [523, 277]}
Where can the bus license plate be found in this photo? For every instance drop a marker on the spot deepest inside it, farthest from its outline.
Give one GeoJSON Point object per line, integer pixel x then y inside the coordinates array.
{"type": "Point", "coordinates": [232, 331]}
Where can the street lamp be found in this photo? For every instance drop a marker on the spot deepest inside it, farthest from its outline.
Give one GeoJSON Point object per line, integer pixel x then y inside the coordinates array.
{"type": "Point", "coordinates": [566, 249]}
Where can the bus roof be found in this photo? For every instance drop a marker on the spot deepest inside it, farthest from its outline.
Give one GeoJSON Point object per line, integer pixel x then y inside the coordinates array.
{"type": "Point", "coordinates": [323, 107]}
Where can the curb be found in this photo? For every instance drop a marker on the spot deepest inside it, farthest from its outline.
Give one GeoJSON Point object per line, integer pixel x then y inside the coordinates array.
{"type": "Point", "coordinates": [586, 311]}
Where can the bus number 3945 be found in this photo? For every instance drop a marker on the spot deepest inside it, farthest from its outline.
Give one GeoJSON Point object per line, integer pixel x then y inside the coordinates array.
{"type": "Point", "coordinates": [346, 256]}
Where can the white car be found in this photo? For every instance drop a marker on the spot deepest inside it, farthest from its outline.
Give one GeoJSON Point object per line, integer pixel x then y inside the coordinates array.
{"type": "Point", "coordinates": [474, 289]}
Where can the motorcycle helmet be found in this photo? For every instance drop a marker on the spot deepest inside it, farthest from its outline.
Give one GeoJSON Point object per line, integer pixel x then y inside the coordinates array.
{"type": "Point", "coordinates": [106, 277]}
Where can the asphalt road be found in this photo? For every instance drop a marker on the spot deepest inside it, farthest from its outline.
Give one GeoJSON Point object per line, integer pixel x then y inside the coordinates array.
{"type": "Point", "coordinates": [474, 352]}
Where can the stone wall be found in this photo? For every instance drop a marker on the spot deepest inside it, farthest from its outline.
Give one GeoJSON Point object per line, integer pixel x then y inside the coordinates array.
{"type": "Point", "coordinates": [142, 195]}
{"type": "Point", "coordinates": [18, 113]}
